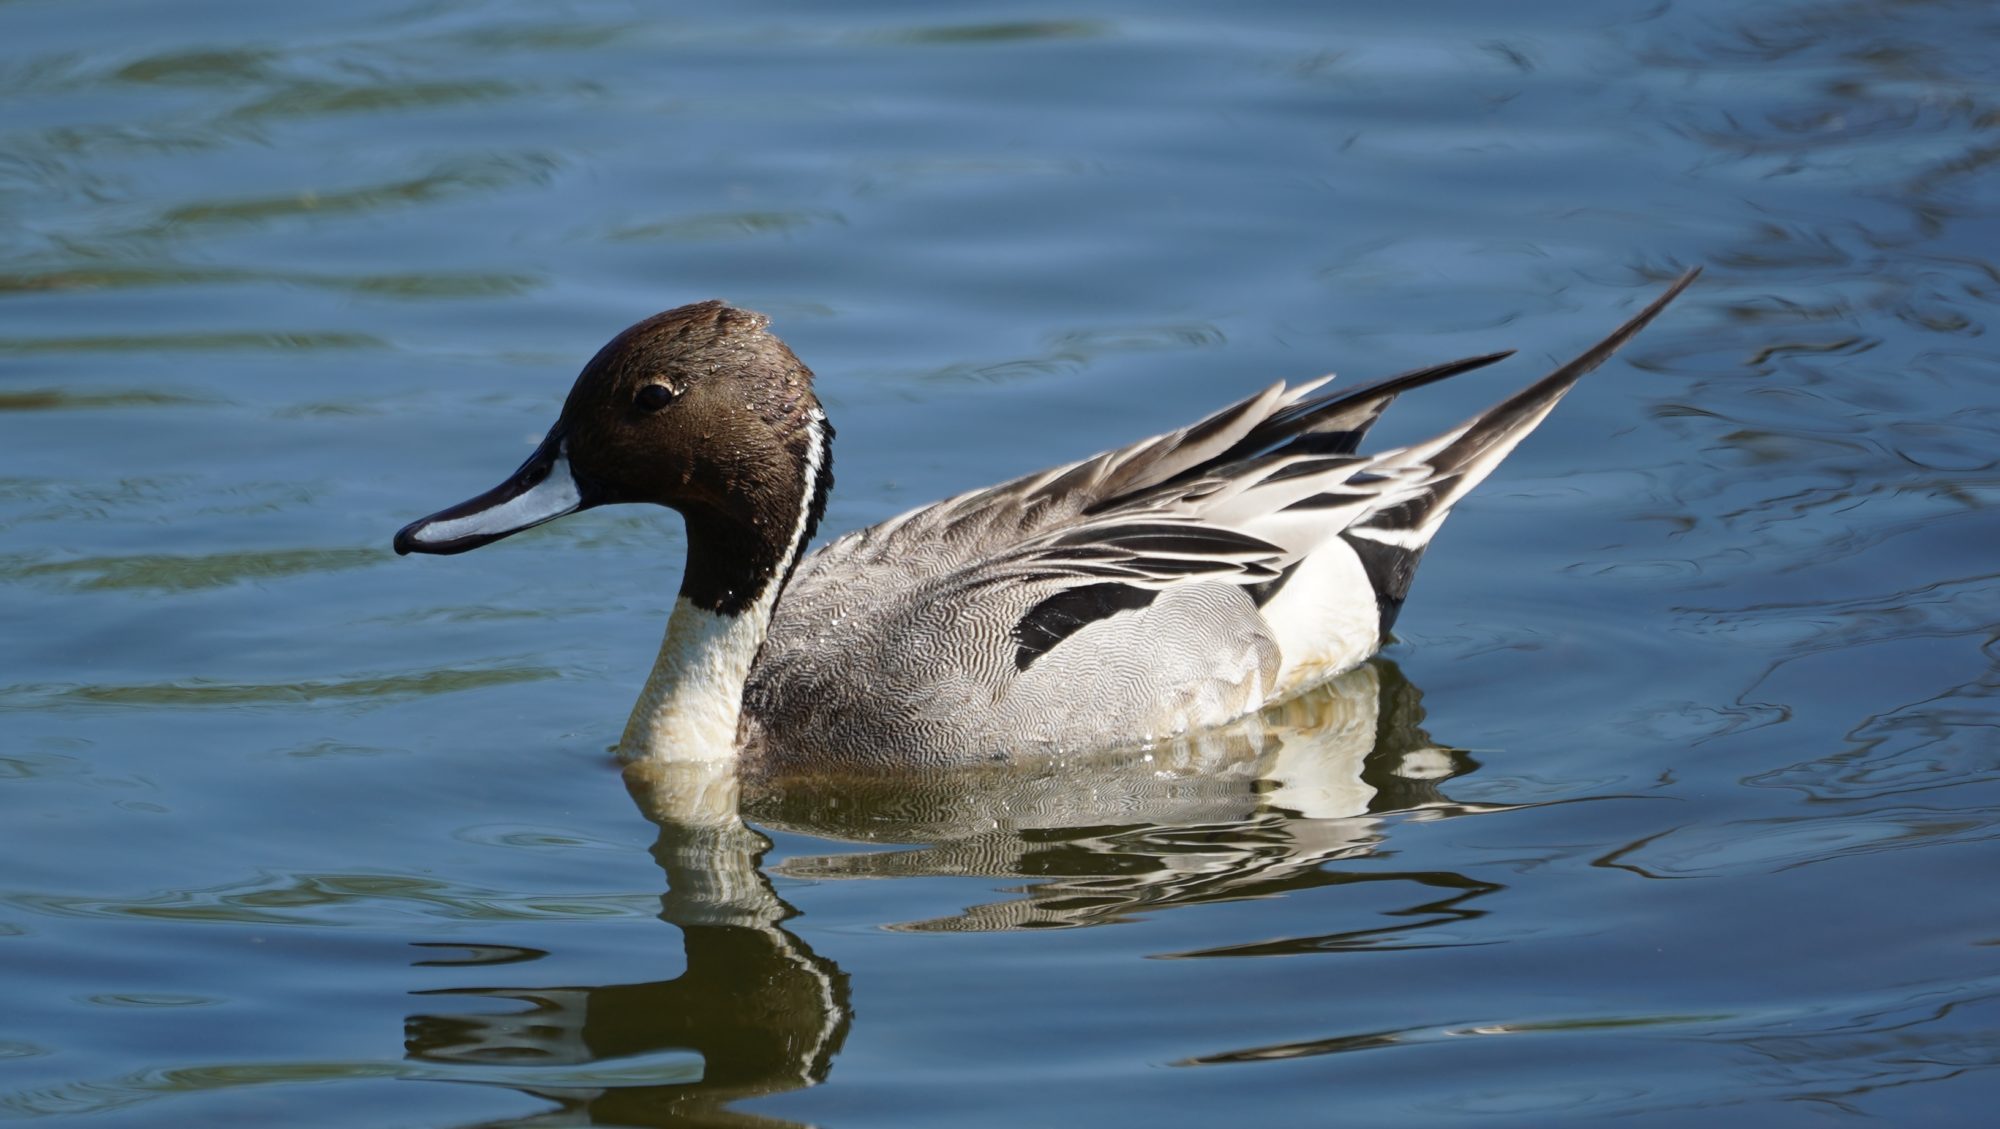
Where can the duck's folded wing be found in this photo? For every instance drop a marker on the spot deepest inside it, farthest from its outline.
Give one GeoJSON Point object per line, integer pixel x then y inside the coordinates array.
{"type": "Point", "coordinates": [938, 539]}
{"type": "Point", "coordinates": [1323, 542]}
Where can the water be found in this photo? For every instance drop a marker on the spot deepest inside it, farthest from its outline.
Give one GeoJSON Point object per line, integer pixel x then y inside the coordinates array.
{"type": "Point", "coordinates": [1675, 800]}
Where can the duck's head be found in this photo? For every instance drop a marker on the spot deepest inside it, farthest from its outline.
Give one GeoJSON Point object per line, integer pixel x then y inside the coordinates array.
{"type": "Point", "coordinates": [699, 408]}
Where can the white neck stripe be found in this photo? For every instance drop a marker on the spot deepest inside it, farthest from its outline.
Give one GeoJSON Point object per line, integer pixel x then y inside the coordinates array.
{"type": "Point", "coordinates": [809, 483]}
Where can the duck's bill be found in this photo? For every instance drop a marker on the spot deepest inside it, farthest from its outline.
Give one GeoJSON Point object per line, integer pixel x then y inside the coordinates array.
{"type": "Point", "coordinates": [543, 490]}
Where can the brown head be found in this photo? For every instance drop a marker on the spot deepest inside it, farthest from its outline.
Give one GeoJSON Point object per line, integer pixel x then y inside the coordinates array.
{"type": "Point", "coordinates": [700, 409]}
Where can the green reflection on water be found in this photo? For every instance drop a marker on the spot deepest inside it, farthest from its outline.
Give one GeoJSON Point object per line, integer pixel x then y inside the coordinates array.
{"type": "Point", "coordinates": [726, 225]}
{"type": "Point", "coordinates": [1001, 32]}
{"type": "Point", "coordinates": [199, 692]}
{"type": "Point", "coordinates": [183, 342]}
{"type": "Point", "coordinates": [310, 98]}
{"type": "Point", "coordinates": [479, 174]}
{"type": "Point", "coordinates": [198, 68]}
{"type": "Point", "coordinates": [56, 400]}
{"type": "Point", "coordinates": [401, 284]}
{"type": "Point", "coordinates": [165, 572]}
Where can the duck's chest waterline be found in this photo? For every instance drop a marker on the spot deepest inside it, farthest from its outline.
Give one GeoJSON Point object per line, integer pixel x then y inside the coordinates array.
{"type": "Point", "coordinates": [693, 699]}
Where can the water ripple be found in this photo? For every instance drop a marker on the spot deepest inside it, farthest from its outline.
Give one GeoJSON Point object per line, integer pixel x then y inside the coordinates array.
{"type": "Point", "coordinates": [331, 900]}
{"type": "Point", "coordinates": [727, 225]}
{"type": "Point", "coordinates": [402, 284]}
{"type": "Point", "coordinates": [452, 178]}
{"type": "Point", "coordinates": [1939, 734]}
{"type": "Point", "coordinates": [200, 693]}
{"type": "Point", "coordinates": [169, 573]}
{"type": "Point", "coordinates": [218, 341]}
{"type": "Point", "coordinates": [59, 400]}
{"type": "Point", "coordinates": [1784, 843]}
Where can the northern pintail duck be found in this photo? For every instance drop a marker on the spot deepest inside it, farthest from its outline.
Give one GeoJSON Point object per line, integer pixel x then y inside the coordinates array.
{"type": "Point", "coordinates": [1147, 592]}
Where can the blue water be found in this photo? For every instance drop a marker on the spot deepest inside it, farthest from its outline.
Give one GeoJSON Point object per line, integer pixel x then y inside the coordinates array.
{"type": "Point", "coordinates": [1675, 800]}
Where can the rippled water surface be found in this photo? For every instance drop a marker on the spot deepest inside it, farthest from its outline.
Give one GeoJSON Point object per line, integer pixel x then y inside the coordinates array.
{"type": "Point", "coordinates": [1676, 799]}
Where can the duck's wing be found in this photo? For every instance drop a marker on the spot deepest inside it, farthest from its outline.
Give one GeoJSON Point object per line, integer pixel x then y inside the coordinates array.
{"type": "Point", "coordinates": [1323, 541]}
{"type": "Point", "coordinates": [938, 539]}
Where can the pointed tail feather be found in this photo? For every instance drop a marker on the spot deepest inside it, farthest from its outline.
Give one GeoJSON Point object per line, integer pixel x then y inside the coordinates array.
{"type": "Point", "coordinates": [1332, 424]}
{"type": "Point", "coordinates": [1335, 424]}
{"type": "Point", "coordinates": [1507, 422]}
{"type": "Point", "coordinates": [1390, 541]}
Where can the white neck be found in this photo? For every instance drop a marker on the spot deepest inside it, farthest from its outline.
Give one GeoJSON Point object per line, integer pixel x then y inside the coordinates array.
{"type": "Point", "coordinates": [693, 700]}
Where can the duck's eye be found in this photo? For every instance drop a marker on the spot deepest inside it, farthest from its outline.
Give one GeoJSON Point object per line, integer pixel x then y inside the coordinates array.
{"type": "Point", "coordinates": [653, 397]}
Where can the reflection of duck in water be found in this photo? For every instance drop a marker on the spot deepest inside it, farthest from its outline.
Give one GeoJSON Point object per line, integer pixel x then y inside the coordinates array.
{"type": "Point", "coordinates": [1256, 809]}
{"type": "Point", "coordinates": [1152, 591]}
{"type": "Point", "coordinates": [1266, 798]}
{"type": "Point", "coordinates": [1306, 757]}
{"type": "Point", "coordinates": [754, 1011]}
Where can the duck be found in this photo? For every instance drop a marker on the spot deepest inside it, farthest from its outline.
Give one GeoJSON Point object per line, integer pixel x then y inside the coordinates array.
{"type": "Point", "coordinates": [1140, 595]}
